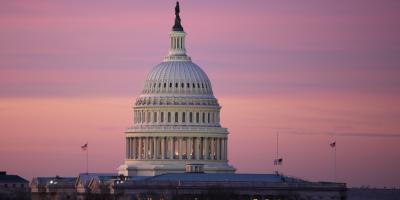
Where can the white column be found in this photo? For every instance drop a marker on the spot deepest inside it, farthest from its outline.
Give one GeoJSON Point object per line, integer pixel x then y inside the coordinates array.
{"type": "Point", "coordinates": [226, 148]}
{"type": "Point", "coordinates": [163, 148]}
{"type": "Point", "coordinates": [127, 148]}
{"type": "Point", "coordinates": [154, 148]}
{"type": "Point", "coordinates": [205, 157]}
{"type": "Point", "coordinates": [134, 146]}
{"type": "Point", "coordinates": [188, 148]}
{"type": "Point", "coordinates": [145, 148]}
{"type": "Point", "coordinates": [157, 147]}
{"type": "Point", "coordinates": [222, 148]}
{"type": "Point", "coordinates": [218, 148]}
{"type": "Point", "coordinates": [212, 148]}
{"type": "Point", "coordinates": [197, 151]}
{"type": "Point", "coordinates": [180, 148]}
{"type": "Point", "coordinates": [140, 148]}
{"type": "Point", "coordinates": [171, 148]}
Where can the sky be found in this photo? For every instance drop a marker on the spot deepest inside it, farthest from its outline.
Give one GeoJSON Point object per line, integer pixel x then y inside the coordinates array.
{"type": "Point", "coordinates": [314, 71]}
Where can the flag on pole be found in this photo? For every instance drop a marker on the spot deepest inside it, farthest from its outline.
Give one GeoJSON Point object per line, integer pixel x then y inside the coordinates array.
{"type": "Point", "coordinates": [278, 161]}
{"type": "Point", "coordinates": [84, 147]}
{"type": "Point", "coordinates": [333, 144]}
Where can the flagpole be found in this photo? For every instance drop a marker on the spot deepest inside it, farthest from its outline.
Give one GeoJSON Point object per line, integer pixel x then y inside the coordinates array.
{"type": "Point", "coordinates": [334, 173]}
{"type": "Point", "coordinates": [277, 149]}
{"type": "Point", "coordinates": [87, 159]}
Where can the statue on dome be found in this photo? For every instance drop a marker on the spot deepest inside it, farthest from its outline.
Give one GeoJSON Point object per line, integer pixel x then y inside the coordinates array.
{"type": "Point", "coordinates": [177, 25]}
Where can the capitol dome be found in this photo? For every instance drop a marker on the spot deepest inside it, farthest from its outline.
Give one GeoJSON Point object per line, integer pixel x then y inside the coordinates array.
{"type": "Point", "coordinates": [176, 119]}
{"type": "Point", "coordinates": [177, 78]}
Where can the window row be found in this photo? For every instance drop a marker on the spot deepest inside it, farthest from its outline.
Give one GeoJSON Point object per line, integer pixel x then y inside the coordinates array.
{"type": "Point", "coordinates": [176, 117]}
{"type": "Point", "coordinates": [176, 85]}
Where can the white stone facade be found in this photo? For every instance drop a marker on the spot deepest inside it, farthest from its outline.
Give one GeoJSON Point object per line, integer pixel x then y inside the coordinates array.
{"type": "Point", "coordinates": [176, 120]}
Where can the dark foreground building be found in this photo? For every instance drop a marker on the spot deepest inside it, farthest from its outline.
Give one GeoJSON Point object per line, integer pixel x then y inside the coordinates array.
{"type": "Point", "coordinates": [190, 185]}
{"type": "Point", "coordinates": [13, 187]}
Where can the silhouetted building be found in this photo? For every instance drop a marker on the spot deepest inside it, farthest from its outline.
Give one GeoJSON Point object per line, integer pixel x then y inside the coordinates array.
{"type": "Point", "coordinates": [13, 187]}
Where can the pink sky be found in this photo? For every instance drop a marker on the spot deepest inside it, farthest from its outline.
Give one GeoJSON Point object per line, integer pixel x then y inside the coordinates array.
{"type": "Point", "coordinates": [71, 70]}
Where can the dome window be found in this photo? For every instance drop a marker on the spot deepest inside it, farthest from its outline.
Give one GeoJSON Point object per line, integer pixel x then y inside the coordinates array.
{"type": "Point", "coordinates": [208, 117]}
{"type": "Point", "coordinates": [194, 85]}
{"type": "Point", "coordinates": [183, 117]}
{"type": "Point", "coordinates": [182, 85]}
{"type": "Point", "coordinates": [190, 117]}
{"type": "Point", "coordinates": [198, 85]}
{"type": "Point", "coordinates": [197, 117]}
{"type": "Point", "coordinates": [188, 85]}
{"type": "Point", "coordinates": [169, 116]}
{"type": "Point", "coordinates": [165, 85]}
{"type": "Point", "coordinates": [176, 117]}
{"type": "Point", "coordinates": [159, 85]}
{"type": "Point", "coordinates": [162, 117]}
{"type": "Point", "coordinates": [176, 85]}
{"type": "Point", "coordinates": [155, 117]}
{"type": "Point", "coordinates": [204, 118]}
{"type": "Point", "coordinates": [202, 86]}
{"type": "Point", "coordinates": [155, 84]}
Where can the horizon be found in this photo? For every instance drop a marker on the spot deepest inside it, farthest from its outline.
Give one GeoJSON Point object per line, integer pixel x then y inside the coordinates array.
{"type": "Point", "coordinates": [316, 72]}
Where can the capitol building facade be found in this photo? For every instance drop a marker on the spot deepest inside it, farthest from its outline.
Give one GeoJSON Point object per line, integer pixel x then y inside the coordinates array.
{"type": "Point", "coordinates": [176, 119]}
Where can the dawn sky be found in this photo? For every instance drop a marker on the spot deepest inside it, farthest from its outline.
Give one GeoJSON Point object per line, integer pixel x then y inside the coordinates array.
{"type": "Point", "coordinates": [316, 71]}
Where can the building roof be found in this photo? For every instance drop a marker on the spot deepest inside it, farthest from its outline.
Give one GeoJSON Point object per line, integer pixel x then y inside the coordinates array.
{"type": "Point", "coordinates": [85, 178]}
{"type": "Point", "coordinates": [177, 77]}
{"type": "Point", "coordinates": [223, 177]}
{"type": "Point", "coordinates": [5, 178]}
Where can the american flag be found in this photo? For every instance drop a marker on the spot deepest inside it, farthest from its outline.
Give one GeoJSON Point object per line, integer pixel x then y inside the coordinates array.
{"type": "Point", "coordinates": [84, 147]}
{"type": "Point", "coordinates": [278, 161]}
{"type": "Point", "coordinates": [333, 144]}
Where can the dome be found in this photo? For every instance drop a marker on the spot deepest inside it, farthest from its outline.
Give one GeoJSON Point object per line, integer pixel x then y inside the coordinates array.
{"type": "Point", "coordinates": [177, 77]}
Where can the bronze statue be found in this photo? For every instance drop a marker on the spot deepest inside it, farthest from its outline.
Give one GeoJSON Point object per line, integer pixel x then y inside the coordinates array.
{"type": "Point", "coordinates": [177, 25]}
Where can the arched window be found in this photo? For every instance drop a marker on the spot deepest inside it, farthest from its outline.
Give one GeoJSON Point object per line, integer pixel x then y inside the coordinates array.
{"type": "Point", "coordinates": [155, 117]}
{"type": "Point", "coordinates": [169, 116]}
{"type": "Point", "coordinates": [176, 85]}
{"type": "Point", "coordinates": [202, 85]}
{"type": "Point", "coordinates": [190, 117]}
{"type": "Point", "coordinates": [208, 117]}
{"type": "Point", "coordinates": [188, 85]}
{"type": "Point", "coordinates": [197, 117]}
{"type": "Point", "coordinates": [176, 117]}
{"type": "Point", "coordinates": [183, 117]}
{"type": "Point", "coordinates": [162, 117]}
{"type": "Point", "coordinates": [165, 85]}
{"type": "Point", "coordinates": [198, 85]}
{"type": "Point", "coordinates": [204, 118]}
{"type": "Point", "coordinates": [159, 85]}
{"type": "Point", "coordinates": [194, 85]}
{"type": "Point", "coordinates": [182, 85]}
{"type": "Point", "coordinates": [170, 85]}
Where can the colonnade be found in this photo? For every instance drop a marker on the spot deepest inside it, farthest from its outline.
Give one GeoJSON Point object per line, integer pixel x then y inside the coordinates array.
{"type": "Point", "coordinates": [176, 148]}
{"type": "Point", "coordinates": [184, 117]}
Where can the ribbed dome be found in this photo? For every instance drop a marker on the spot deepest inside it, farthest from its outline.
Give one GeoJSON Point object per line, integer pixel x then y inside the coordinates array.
{"type": "Point", "coordinates": [177, 77]}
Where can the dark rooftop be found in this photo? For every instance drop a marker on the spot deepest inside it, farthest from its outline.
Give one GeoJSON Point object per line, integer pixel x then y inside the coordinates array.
{"type": "Point", "coordinates": [223, 177]}
{"type": "Point", "coordinates": [4, 178]}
